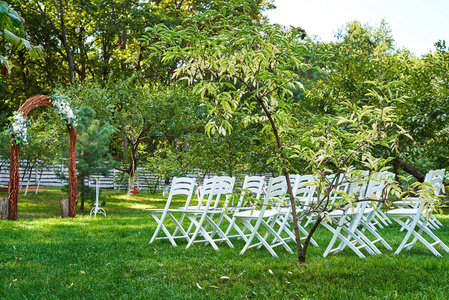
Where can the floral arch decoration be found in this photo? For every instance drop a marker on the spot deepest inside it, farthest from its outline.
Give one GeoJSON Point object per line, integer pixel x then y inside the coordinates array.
{"type": "Point", "coordinates": [19, 135]}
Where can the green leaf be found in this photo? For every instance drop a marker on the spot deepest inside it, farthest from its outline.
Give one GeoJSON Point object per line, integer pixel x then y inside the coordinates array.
{"type": "Point", "coordinates": [12, 38]}
{"type": "Point", "coordinates": [4, 7]}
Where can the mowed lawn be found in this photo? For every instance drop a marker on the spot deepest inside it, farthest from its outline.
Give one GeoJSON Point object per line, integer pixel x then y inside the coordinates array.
{"type": "Point", "coordinates": [45, 257]}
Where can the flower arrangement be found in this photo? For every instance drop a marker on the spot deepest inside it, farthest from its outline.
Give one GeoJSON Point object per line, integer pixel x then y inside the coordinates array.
{"type": "Point", "coordinates": [18, 127]}
{"type": "Point", "coordinates": [64, 110]}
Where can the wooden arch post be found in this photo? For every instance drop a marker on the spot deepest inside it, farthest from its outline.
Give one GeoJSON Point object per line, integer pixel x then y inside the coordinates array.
{"type": "Point", "coordinates": [40, 100]}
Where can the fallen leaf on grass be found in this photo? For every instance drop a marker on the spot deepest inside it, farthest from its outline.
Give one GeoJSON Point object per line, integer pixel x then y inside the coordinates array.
{"type": "Point", "coordinates": [155, 250]}
{"type": "Point", "coordinates": [241, 273]}
{"type": "Point", "coordinates": [199, 286]}
{"type": "Point", "coordinates": [10, 284]}
{"type": "Point", "coordinates": [82, 272]}
{"type": "Point", "coordinates": [70, 285]}
{"type": "Point", "coordinates": [224, 278]}
{"type": "Point", "coordinates": [271, 272]}
{"type": "Point", "coordinates": [214, 286]}
{"type": "Point", "coordinates": [19, 258]}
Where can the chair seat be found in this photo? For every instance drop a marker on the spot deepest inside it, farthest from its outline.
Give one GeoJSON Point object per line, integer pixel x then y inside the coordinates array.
{"type": "Point", "coordinates": [254, 214]}
{"type": "Point", "coordinates": [368, 210]}
{"type": "Point", "coordinates": [402, 212]}
{"type": "Point", "coordinates": [192, 207]}
{"type": "Point", "coordinates": [155, 211]}
{"type": "Point", "coordinates": [192, 211]}
{"type": "Point", "coordinates": [339, 213]}
{"type": "Point", "coordinates": [406, 203]}
{"type": "Point", "coordinates": [284, 210]}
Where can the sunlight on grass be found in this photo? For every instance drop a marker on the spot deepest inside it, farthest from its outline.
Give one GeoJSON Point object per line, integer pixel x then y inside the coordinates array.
{"type": "Point", "coordinates": [44, 256]}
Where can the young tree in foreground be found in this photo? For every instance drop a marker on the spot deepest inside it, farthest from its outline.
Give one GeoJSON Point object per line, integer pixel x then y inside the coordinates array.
{"type": "Point", "coordinates": [236, 65]}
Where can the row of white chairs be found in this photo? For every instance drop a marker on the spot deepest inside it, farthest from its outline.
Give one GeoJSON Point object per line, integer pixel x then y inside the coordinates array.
{"type": "Point", "coordinates": [211, 220]}
{"type": "Point", "coordinates": [415, 216]}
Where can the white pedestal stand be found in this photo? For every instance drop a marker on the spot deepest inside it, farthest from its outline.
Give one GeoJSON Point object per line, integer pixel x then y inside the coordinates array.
{"type": "Point", "coordinates": [97, 209]}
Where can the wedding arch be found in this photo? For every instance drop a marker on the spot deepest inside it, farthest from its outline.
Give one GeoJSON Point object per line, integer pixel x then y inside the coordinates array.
{"type": "Point", "coordinates": [18, 136]}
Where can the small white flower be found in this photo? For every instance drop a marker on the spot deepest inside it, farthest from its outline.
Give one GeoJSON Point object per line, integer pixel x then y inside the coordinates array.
{"type": "Point", "coordinates": [64, 110]}
{"type": "Point", "coordinates": [18, 127]}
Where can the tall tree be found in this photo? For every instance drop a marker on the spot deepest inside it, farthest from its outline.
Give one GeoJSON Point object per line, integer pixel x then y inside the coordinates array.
{"type": "Point", "coordinates": [238, 65]}
{"type": "Point", "coordinates": [13, 42]}
{"type": "Point", "coordinates": [13, 35]}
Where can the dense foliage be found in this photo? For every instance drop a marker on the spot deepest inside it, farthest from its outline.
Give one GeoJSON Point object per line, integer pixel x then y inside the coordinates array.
{"type": "Point", "coordinates": [211, 85]}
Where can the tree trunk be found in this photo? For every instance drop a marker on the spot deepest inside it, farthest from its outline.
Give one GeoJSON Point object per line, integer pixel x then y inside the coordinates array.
{"type": "Point", "coordinates": [121, 38]}
{"type": "Point", "coordinates": [82, 192]}
{"type": "Point", "coordinates": [63, 38]}
{"type": "Point", "coordinates": [73, 188]}
{"type": "Point", "coordinates": [82, 203]}
{"type": "Point", "coordinates": [14, 181]}
{"type": "Point", "coordinates": [4, 208]}
{"type": "Point", "coordinates": [125, 147]}
{"type": "Point", "coordinates": [64, 204]}
{"type": "Point", "coordinates": [411, 170]}
{"type": "Point", "coordinates": [300, 249]}
{"type": "Point", "coordinates": [105, 55]}
{"type": "Point", "coordinates": [156, 184]}
{"type": "Point", "coordinates": [131, 179]}
{"type": "Point", "coordinates": [132, 167]}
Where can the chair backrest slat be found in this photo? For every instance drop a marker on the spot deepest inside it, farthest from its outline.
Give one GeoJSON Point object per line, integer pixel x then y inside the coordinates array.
{"type": "Point", "coordinates": [181, 186]}
{"type": "Point", "coordinates": [276, 190]}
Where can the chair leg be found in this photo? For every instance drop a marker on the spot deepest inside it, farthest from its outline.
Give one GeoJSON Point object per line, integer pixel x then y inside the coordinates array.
{"type": "Point", "coordinates": [160, 225]}
{"type": "Point", "coordinates": [158, 228]}
{"type": "Point", "coordinates": [240, 232]}
{"type": "Point", "coordinates": [417, 236]}
{"type": "Point", "coordinates": [377, 236]}
{"type": "Point", "coordinates": [429, 232]}
{"type": "Point", "coordinates": [343, 239]}
{"type": "Point", "coordinates": [199, 230]}
{"type": "Point", "coordinates": [217, 230]}
{"type": "Point", "coordinates": [179, 227]}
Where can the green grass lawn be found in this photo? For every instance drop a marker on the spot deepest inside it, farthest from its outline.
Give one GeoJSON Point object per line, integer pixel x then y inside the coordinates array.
{"type": "Point", "coordinates": [44, 256]}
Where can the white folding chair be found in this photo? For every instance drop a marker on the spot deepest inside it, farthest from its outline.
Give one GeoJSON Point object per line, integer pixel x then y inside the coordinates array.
{"type": "Point", "coordinates": [303, 193]}
{"type": "Point", "coordinates": [410, 202]}
{"type": "Point", "coordinates": [252, 185]}
{"type": "Point", "coordinates": [311, 203]}
{"type": "Point", "coordinates": [265, 218]}
{"type": "Point", "coordinates": [437, 176]}
{"type": "Point", "coordinates": [374, 191]}
{"type": "Point", "coordinates": [203, 216]}
{"type": "Point", "coordinates": [179, 186]}
{"type": "Point", "coordinates": [348, 220]}
{"type": "Point", "coordinates": [378, 218]}
{"type": "Point", "coordinates": [416, 221]}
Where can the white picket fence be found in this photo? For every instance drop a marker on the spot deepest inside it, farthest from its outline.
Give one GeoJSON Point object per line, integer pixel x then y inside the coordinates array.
{"type": "Point", "coordinates": [115, 180]}
{"type": "Point", "coordinates": [47, 177]}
